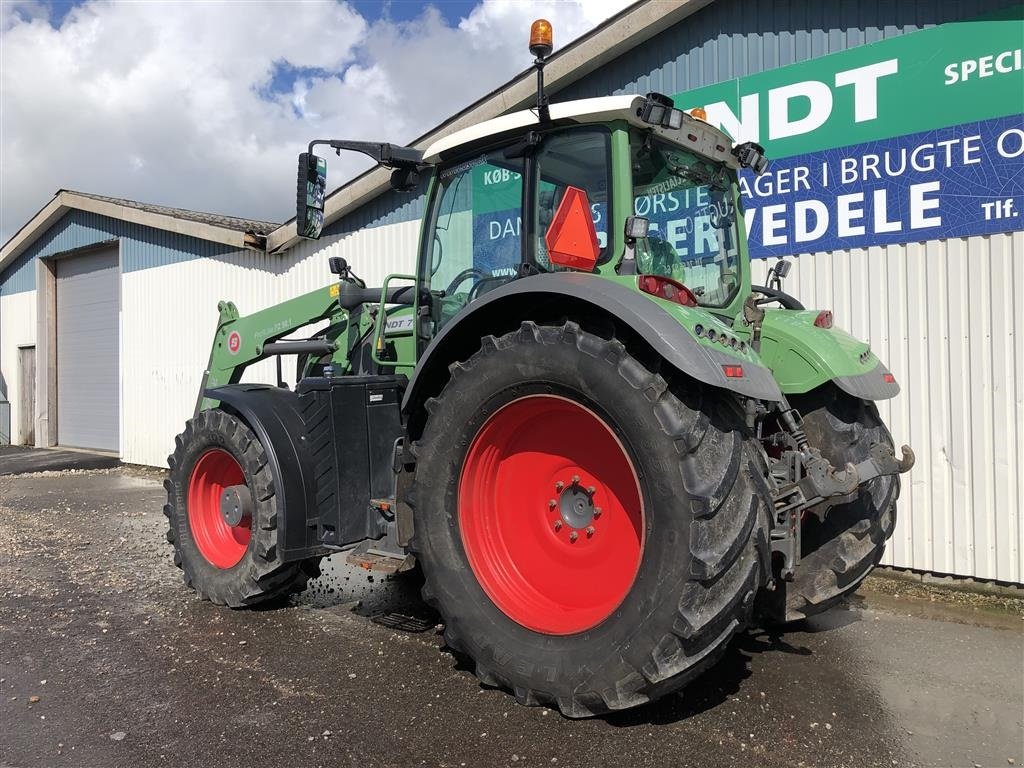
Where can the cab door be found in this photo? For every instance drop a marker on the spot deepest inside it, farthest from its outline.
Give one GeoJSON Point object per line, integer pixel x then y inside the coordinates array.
{"type": "Point", "coordinates": [473, 233]}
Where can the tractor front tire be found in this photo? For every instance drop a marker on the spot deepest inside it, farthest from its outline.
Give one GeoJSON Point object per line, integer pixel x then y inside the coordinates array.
{"type": "Point", "coordinates": [839, 552]}
{"type": "Point", "coordinates": [235, 565]}
{"type": "Point", "coordinates": [591, 533]}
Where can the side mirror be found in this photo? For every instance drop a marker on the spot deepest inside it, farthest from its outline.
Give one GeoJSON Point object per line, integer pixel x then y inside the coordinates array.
{"type": "Point", "coordinates": [637, 228]}
{"type": "Point", "coordinates": [777, 274]}
{"type": "Point", "coordinates": [572, 238]}
{"type": "Point", "coordinates": [311, 189]}
{"type": "Point", "coordinates": [751, 155]}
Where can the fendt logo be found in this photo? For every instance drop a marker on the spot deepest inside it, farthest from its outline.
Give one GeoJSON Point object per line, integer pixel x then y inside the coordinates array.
{"type": "Point", "coordinates": [234, 342]}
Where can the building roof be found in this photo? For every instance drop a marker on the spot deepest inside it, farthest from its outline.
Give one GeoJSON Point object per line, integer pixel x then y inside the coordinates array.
{"type": "Point", "coordinates": [253, 226]}
{"type": "Point", "coordinates": [622, 32]}
{"type": "Point", "coordinates": [230, 230]}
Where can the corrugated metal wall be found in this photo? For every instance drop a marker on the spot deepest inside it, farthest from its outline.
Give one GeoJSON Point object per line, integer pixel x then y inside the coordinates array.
{"type": "Point", "coordinates": [17, 328]}
{"type": "Point", "coordinates": [944, 315]}
{"type": "Point", "coordinates": [167, 359]}
{"type": "Point", "coordinates": [735, 38]}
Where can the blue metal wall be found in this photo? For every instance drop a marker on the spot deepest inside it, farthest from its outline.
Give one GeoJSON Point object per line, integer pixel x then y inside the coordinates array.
{"type": "Point", "coordinates": [725, 40]}
{"type": "Point", "coordinates": [736, 38]}
{"type": "Point", "coordinates": [141, 247]}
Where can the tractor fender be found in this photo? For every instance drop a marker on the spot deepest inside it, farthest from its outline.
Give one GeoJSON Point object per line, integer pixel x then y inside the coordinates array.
{"type": "Point", "coordinates": [273, 414]}
{"type": "Point", "coordinates": [804, 356]}
{"type": "Point", "coordinates": [575, 295]}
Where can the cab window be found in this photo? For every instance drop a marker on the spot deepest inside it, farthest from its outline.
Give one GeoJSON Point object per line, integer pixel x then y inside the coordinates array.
{"type": "Point", "coordinates": [574, 158]}
{"type": "Point", "coordinates": [475, 240]}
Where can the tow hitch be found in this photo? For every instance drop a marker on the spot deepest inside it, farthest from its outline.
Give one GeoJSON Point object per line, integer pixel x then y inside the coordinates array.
{"type": "Point", "coordinates": [806, 482]}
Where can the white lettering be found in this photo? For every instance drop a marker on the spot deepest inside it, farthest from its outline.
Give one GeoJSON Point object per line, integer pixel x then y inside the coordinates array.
{"type": "Point", "coordinates": [743, 127]}
{"type": "Point", "coordinates": [881, 214]}
{"type": "Point", "coordinates": [846, 213]}
{"type": "Point", "coordinates": [919, 205]}
{"type": "Point", "coordinates": [773, 223]}
{"type": "Point", "coordinates": [801, 215]}
{"type": "Point", "coordinates": [865, 87]}
{"type": "Point", "coordinates": [1001, 147]}
{"type": "Point", "coordinates": [819, 97]}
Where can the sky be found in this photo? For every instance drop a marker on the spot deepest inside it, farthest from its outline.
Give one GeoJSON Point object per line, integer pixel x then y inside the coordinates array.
{"type": "Point", "coordinates": [206, 105]}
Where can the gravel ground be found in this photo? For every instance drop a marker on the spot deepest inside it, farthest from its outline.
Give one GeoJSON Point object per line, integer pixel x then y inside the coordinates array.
{"type": "Point", "coordinates": [107, 660]}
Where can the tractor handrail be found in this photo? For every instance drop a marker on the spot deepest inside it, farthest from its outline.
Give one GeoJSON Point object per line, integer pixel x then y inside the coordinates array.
{"type": "Point", "coordinates": [385, 295]}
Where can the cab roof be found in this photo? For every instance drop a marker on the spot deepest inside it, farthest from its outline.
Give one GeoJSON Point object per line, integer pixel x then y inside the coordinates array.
{"type": "Point", "coordinates": [694, 134]}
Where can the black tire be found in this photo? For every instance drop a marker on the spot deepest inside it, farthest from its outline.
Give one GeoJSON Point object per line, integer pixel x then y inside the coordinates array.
{"type": "Point", "coordinates": [706, 505]}
{"type": "Point", "coordinates": [259, 575]}
{"type": "Point", "coordinates": [839, 552]}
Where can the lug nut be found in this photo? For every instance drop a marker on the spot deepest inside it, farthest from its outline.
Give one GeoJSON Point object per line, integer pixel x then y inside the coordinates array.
{"type": "Point", "coordinates": [597, 512]}
{"type": "Point", "coordinates": [575, 479]}
{"type": "Point", "coordinates": [591, 490]}
{"type": "Point", "coordinates": [558, 525]}
{"type": "Point", "coordinates": [559, 485]}
{"type": "Point", "coordinates": [590, 531]}
{"type": "Point", "coordinates": [552, 503]}
{"type": "Point", "coordinates": [573, 536]}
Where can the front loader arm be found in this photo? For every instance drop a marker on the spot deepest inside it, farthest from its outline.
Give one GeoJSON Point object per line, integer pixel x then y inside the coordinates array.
{"type": "Point", "coordinates": [241, 341]}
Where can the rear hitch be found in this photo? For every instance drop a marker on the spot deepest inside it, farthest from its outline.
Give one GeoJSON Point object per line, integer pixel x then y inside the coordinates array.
{"type": "Point", "coordinates": [806, 482]}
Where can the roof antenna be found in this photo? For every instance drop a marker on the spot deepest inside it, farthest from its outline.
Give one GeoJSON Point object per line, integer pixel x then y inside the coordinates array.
{"type": "Point", "coordinates": [541, 47]}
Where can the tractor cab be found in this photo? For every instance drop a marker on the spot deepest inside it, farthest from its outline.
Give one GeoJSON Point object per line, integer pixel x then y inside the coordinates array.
{"type": "Point", "coordinates": [624, 185]}
{"type": "Point", "coordinates": [621, 186]}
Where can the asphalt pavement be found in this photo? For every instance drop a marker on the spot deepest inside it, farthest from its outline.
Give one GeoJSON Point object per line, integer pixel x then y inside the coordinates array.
{"type": "Point", "coordinates": [106, 659]}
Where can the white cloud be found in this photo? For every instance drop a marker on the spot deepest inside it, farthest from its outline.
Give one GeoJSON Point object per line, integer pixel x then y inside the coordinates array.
{"type": "Point", "coordinates": [170, 103]}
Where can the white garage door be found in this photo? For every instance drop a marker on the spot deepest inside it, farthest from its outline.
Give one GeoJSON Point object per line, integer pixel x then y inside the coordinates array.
{"type": "Point", "coordinates": [87, 351]}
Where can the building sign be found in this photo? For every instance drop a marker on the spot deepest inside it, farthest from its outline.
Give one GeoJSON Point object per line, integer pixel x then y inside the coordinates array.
{"type": "Point", "coordinates": [920, 137]}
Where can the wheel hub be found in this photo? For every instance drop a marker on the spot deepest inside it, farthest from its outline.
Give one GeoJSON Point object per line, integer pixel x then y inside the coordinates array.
{"type": "Point", "coordinates": [236, 504]}
{"type": "Point", "coordinates": [575, 507]}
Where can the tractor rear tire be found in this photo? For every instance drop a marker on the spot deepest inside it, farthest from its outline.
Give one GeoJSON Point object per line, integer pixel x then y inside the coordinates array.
{"type": "Point", "coordinates": [554, 599]}
{"type": "Point", "coordinates": [838, 553]}
{"type": "Point", "coordinates": [236, 565]}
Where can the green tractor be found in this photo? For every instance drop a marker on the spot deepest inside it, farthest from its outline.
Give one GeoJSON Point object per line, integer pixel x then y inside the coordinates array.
{"type": "Point", "coordinates": [607, 451]}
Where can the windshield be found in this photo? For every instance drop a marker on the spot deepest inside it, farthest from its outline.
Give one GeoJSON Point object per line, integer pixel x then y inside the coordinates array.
{"type": "Point", "coordinates": [689, 202]}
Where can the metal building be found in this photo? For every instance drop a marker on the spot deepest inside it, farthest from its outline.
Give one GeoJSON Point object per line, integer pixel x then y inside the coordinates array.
{"type": "Point", "coordinates": [897, 132]}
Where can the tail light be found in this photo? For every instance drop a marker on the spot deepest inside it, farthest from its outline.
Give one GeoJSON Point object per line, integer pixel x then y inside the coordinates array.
{"type": "Point", "coordinates": [733, 371]}
{"type": "Point", "coordinates": [824, 319]}
{"type": "Point", "coordinates": [888, 378]}
{"type": "Point", "coordinates": [666, 288]}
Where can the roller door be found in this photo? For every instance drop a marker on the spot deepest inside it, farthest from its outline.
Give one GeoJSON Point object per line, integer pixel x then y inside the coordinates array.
{"type": "Point", "coordinates": [88, 377]}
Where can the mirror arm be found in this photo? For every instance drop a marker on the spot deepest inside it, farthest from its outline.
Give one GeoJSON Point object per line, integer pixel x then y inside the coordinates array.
{"type": "Point", "coordinates": [388, 155]}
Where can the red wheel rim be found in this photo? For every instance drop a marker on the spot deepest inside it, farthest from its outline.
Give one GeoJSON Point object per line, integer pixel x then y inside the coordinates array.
{"type": "Point", "coordinates": [221, 544]}
{"type": "Point", "coordinates": [550, 515]}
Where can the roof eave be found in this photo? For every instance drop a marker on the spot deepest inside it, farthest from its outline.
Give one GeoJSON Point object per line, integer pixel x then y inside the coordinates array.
{"type": "Point", "coordinates": [65, 201]}
{"type": "Point", "coordinates": [623, 32]}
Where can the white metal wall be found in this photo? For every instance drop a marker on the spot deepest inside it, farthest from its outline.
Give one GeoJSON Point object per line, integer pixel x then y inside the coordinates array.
{"type": "Point", "coordinates": [169, 315]}
{"type": "Point", "coordinates": [944, 317]}
{"type": "Point", "coordinates": [17, 328]}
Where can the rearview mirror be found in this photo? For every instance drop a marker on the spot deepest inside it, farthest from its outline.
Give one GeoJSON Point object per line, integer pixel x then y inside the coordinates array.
{"type": "Point", "coordinates": [572, 238]}
{"type": "Point", "coordinates": [637, 228]}
{"type": "Point", "coordinates": [311, 189]}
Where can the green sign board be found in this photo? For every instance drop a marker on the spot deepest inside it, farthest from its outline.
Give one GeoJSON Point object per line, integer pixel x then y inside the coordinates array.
{"type": "Point", "coordinates": [947, 75]}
